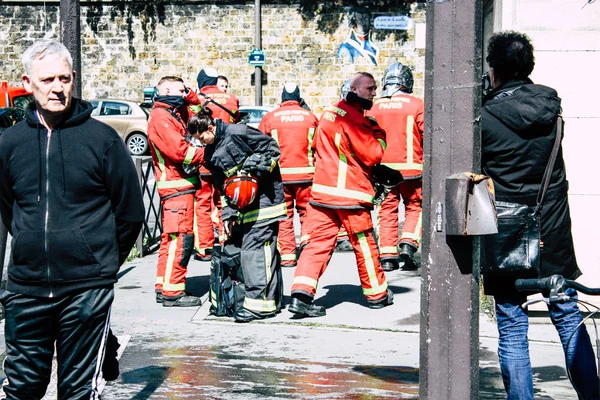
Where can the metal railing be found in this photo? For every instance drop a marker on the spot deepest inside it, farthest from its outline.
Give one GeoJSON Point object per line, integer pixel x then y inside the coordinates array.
{"type": "Point", "coordinates": [149, 238]}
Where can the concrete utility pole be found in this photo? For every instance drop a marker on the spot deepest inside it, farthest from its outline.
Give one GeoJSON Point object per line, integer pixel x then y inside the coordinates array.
{"type": "Point", "coordinates": [257, 45]}
{"type": "Point", "coordinates": [450, 274]}
{"type": "Point", "coordinates": [70, 32]}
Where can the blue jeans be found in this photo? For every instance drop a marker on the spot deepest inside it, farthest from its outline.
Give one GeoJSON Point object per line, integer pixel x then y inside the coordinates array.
{"type": "Point", "coordinates": [513, 346]}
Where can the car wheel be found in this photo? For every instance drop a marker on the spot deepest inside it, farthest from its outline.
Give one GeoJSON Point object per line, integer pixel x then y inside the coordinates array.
{"type": "Point", "coordinates": [137, 144]}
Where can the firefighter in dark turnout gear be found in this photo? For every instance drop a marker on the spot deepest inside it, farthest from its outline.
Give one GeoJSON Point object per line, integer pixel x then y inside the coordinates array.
{"type": "Point", "coordinates": [229, 150]}
{"type": "Point", "coordinates": [293, 128]}
{"type": "Point", "coordinates": [176, 188]}
{"type": "Point", "coordinates": [225, 107]}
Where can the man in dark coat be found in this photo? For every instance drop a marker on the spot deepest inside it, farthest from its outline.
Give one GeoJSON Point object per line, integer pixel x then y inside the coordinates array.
{"type": "Point", "coordinates": [71, 200]}
{"type": "Point", "coordinates": [518, 133]}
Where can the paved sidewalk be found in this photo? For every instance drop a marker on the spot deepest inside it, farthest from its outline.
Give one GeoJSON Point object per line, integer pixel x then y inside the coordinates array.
{"type": "Point", "coordinates": [351, 353]}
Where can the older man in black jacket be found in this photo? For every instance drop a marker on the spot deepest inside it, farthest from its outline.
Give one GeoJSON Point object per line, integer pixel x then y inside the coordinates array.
{"type": "Point", "coordinates": [518, 121]}
{"type": "Point", "coordinates": [70, 197]}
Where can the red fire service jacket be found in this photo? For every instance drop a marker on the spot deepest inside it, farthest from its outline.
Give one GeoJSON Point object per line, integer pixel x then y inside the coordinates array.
{"type": "Point", "coordinates": [401, 116]}
{"type": "Point", "coordinates": [209, 95]}
{"type": "Point", "coordinates": [347, 147]}
{"type": "Point", "coordinates": [293, 128]}
{"type": "Point", "coordinates": [166, 133]}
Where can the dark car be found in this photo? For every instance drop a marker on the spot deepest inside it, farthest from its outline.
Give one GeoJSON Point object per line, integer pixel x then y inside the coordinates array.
{"type": "Point", "coordinates": [9, 117]}
{"type": "Point", "coordinates": [251, 115]}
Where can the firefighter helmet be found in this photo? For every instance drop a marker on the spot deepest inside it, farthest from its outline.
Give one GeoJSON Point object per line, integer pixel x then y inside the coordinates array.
{"type": "Point", "coordinates": [241, 190]}
{"type": "Point", "coordinates": [345, 89]}
{"type": "Point", "coordinates": [398, 74]}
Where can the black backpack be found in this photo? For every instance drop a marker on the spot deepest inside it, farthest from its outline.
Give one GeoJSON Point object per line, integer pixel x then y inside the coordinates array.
{"type": "Point", "coordinates": [227, 289]}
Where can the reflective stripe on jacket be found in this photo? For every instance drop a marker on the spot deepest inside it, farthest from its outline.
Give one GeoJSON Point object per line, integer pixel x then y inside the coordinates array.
{"type": "Point", "coordinates": [347, 146]}
{"type": "Point", "coordinates": [401, 116]}
{"type": "Point", "coordinates": [293, 128]}
{"type": "Point", "coordinates": [166, 133]}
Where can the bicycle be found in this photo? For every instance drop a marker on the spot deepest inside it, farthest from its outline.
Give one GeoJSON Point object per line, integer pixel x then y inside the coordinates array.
{"type": "Point", "coordinates": [555, 286]}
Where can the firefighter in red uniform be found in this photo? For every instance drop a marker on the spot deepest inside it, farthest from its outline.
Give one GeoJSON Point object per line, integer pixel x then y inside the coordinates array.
{"type": "Point", "coordinates": [225, 107]}
{"type": "Point", "coordinates": [293, 128]}
{"type": "Point", "coordinates": [348, 145]}
{"type": "Point", "coordinates": [401, 116]}
{"type": "Point", "coordinates": [170, 152]}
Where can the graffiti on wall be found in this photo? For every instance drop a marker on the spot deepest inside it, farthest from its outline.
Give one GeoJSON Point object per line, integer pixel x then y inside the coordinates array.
{"type": "Point", "coordinates": [359, 42]}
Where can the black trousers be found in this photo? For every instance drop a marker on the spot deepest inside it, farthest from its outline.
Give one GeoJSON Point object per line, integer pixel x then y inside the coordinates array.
{"type": "Point", "coordinates": [261, 267]}
{"type": "Point", "coordinates": [77, 324]}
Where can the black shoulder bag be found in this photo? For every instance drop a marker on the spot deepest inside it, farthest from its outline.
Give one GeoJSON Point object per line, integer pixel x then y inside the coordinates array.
{"type": "Point", "coordinates": [515, 250]}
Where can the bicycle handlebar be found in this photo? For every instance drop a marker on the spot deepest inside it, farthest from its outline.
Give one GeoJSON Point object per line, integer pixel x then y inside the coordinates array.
{"type": "Point", "coordinates": [525, 285]}
{"type": "Point", "coordinates": [554, 283]}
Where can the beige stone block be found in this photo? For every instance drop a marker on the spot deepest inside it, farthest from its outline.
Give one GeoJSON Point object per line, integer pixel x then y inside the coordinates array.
{"type": "Point", "coordinates": [557, 24]}
{"type": "Point", "coordinates": [572, 74]}
{"type": "Point", "coordinates": [580, 151]}
{"type": "Point", "coordinates": [586, 236]}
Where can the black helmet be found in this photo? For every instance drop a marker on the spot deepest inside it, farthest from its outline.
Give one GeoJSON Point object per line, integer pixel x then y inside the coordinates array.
{"type": "Point", "coordinates": [398, 74]}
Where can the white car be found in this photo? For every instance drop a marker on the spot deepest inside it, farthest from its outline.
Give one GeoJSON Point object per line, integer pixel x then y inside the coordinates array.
{"type": "Point", "coordinates": [129, 119]}
{"type": "Point", "coordinates": [251, 115]}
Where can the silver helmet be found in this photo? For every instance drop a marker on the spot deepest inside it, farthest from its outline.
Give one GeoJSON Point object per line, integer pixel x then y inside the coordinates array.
{"type": "Point", "coordinates": [345, 89]}
{"type": "Point", "coordinates": [400, 75]}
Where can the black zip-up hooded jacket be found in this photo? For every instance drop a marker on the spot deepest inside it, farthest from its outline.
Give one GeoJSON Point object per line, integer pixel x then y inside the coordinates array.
{"type": "Point", "coordinates": [71, 200]}
{"type": "Point", "coordinates": [518, 132]}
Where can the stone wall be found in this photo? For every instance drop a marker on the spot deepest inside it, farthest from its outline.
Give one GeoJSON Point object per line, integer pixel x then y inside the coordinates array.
{"type": "Point", "coordinates": [196, 35]}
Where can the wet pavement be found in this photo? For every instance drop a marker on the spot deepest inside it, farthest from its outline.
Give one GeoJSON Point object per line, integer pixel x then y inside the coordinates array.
{"type": "Point", "coordinates": [351, 353]}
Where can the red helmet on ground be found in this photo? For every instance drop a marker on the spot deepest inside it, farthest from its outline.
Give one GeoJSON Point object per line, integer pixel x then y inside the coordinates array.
{"type": "Point", "coordinates": [241, 190]}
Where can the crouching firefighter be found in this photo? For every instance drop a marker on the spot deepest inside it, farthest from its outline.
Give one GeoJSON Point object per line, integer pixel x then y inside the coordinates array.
{"type": "Point", "coordinates": [244, 164]}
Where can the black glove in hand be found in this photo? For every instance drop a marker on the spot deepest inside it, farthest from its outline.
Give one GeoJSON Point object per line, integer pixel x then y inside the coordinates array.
{"type": "Point", "coordinates": [257, 163]}
{"type": "Point", "coordinates": [190, 169]}
{"type": "Point", "coordinates": [381, 191]}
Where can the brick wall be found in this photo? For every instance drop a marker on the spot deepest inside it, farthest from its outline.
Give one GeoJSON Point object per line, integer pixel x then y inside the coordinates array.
{"type": "Point", "coordinates": [196, 35]}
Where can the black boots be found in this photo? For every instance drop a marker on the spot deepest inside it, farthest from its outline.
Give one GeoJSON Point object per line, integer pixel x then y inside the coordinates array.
{"type": "Point", "coordinates": [343, 245]}
{"type": "Point", "coordinates": [388, 300]}
{"type": "Point", "coordinates": [184, 301]}
{"type": "Point", "coordinates": [406, 257]}
{"type": "Point", "coordinates": [389, 264]}
{"type": "Point", "coordinates": [305, 309]}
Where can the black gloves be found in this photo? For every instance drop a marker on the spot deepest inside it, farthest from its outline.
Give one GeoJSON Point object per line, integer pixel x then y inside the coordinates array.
{"type": "Point", "coordinates": [385, 179]}
{"type": "Point", "coordinates": [257, 164]}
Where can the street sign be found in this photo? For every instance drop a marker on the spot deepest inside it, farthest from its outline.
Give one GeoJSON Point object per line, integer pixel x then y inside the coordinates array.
{"type": "Point", "coordinates": [256, 58]}
{"type": "Point", "coordinates": [399, 22]}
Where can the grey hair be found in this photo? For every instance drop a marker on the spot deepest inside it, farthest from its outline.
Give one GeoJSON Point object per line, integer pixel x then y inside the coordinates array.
{"type": "Point", "coordinates": [43, 48]}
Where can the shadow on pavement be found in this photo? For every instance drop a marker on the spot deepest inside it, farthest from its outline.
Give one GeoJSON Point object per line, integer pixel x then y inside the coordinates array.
{"type": "Point", "coordinates": [124, 272]}
{"type": "Point", "coordinates": [197, 285]}
{"type": "Point", "coordinates": [338, 294]}
{"type": "Point", "coordinates": [153, 376]}
{"type": "Point", "coordinates": [408, 375]}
